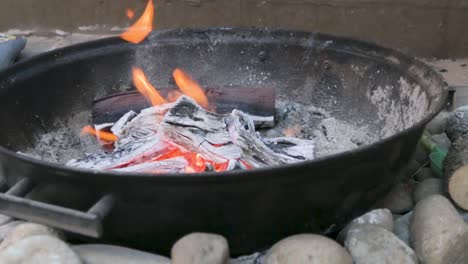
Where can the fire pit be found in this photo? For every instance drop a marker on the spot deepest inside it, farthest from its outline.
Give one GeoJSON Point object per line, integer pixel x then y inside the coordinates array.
{"type": "Point", "coordinates": [363, 107]}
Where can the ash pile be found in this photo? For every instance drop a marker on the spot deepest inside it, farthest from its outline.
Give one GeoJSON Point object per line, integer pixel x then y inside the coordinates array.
{"type": "Point", "coordinates": [184, 137]}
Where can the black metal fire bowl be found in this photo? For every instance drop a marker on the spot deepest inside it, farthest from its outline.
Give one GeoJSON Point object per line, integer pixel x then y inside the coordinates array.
{"type": "Point", "coordinates": [392, 94]}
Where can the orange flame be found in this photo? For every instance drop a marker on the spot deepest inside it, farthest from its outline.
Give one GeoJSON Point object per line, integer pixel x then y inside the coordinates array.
{"type": "Point", "coordinates": [145, 88]}
{"type": "Point", "coordinates": [102, 135]}
{"type": "Point", "coordinates": [142, 27]}
{"type": "Point", "coordinates": [190, 88]}
{"type": "Point", "coordinates": [130, 13]}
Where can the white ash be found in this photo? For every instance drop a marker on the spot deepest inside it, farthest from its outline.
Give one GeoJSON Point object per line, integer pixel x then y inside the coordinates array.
{"type": "Point", "coordinates": [330, 135]}
{"type": "Point", "coordinates": [338, 136]}
{"type": "Point", "coordinates": [63, 142]}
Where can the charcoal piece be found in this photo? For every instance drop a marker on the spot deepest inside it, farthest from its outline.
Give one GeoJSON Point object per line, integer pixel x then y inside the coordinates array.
{"type": "Point", "coordinates": [138, 151]}
{"type": "Point", "coordinates": [187, 127]}
{"type": "Point", "coordinates": [145, 124]}
{"type": "Point", "coordinates": [120, 124]}
{"type": "Point", "coordinates": [302, 149]}
{"type": "Point", "coordinates": [174, 165]}
{"type": "Point", "coordinates": [217, 137]}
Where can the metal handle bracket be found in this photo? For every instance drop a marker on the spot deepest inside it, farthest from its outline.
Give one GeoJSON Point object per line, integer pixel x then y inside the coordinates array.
{"type": "Point", "coordinates": [87, 223]}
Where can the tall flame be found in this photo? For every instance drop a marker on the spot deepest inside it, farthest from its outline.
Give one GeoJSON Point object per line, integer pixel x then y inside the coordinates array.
{"type": "Point", "coordinates": [102, 135]}
{"type": "Point", "coordinates": [142, 27]}
{"type": "Point", "coordinates": [145, 88]}
{"type": "Point", "coordinates": [190, 88]}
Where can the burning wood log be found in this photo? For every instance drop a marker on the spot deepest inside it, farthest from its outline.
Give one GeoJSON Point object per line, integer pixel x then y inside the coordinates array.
{"type": "Point", "coordinates": [151, 140]}
{"type": "Point", "coordinates": [174, 165]}
{"type": "Point", "coordinates": [301, 149]}
{"type": "Point", "coordinates": [258, 103]}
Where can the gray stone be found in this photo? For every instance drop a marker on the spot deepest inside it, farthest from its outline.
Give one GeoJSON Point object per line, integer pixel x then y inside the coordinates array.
{"type": "Point", "coordinates": [421, 155]}
{"type": "Point", "coordinates": [399, 200]}
{"type": "Point", "coordinates": [457, 123]}
{"type": "Point", "coordinates": [442, 140]}
{"type": "Point", "coordinates": [458, 253]}
{"type": "Point", "coordinates": [463, 214]}
{"type": "Point", "coordinates": [379, 217]}
{"type": "Point", "coordinates": [424, 174]}
{"type": "Point", "coordinates": [438, 232]}
{"type": "Point", "coordinates": [5, 219]}
{"type": "Point", "coordinates": [396, 216]}
{"type": "Point", "coordinates": [256, 258]}
{"type": "Point", "coordinates": [200, 248]}
{"type": "Point", "coordinates": [307, 249]}
{"type": "Point", "coordinates": [9, 50]}
{"type": "Point", "coordinates": [37, 250]}
{"type": "Point", "coordinates": [6, 228]}
{"type": "Point", "coordinates": [106, 254]}
{"type": "Point", "coordinates": [412, 168]}
{"type": "Point", "coordinates": [24, 230]}
{"type": "Point", "coordinates": [437, 125]}
{"type": "Point", "coordinates": [427, 188]}
{"type": "Point", "coordinates": [401, 227]}
{"type": "Point", "coordinates": [370, 244]}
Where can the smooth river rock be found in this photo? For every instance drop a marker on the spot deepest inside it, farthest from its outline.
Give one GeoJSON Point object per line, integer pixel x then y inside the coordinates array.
{"type": "Point", "coordinates": [379, 217]}
{"type": "Point", "coordinates": [256, 258]}
{"type": "Point", "coordinates": [39, 249]}
{"type": "Point", "coordinates": [307, 249]}
{"type": "Point", "coordinates": [427, 188]}
{"type": "Point", "coordinates": [370, 244]}
{"type": "Point", "coordinates": [412, 168]}
{"type": "Point", "coordinates": [107, 254]}
{"type": "Point", "coordinates": [438, 124]}
{"type": "Point", "coordinates": [5, 219]}
{"type": "Point", "coordinates": [7, 228]}
{"type": "Point", "coordinates": [400, 199]}
{"type": "Point", "coordinates": [424, 174]}
{"type": "Point", "coordinates": [438, 233]}
{"type": "Point", "coordinates": [200, 248]}
{"type": "Point", "coordinates": [24, 230]}
{"type": "Point", "coordinates": [457, 123]}
{"type": "Point", "coordinates": [421, 155]}
{"type": "Point", "coordinates": [401, 227]}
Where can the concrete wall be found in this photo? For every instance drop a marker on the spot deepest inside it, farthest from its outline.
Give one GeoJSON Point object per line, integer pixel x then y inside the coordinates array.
{"type": "Point", "coordinates": [421, 27]}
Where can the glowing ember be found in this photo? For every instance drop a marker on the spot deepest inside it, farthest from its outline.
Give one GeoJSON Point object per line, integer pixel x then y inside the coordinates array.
{"type": "Point", "coordinates": [101, 135]}
{"type": "Point", "coordinates": [142, 27]}
{"type": "Point", "coordinates": [292, 131]}
{"type": "Point", "coordinates": [247, 165]}
{"type": "Point", "coordinates": [190, 88]}
{"type": "Point", "coordinates": [221, 166]}
{"type": "Point", "coordinates": [196, 163]}
{"type": "Point", "coordinates": [130, 13]}
{"type": "Point", "coordinates": [145, 88]}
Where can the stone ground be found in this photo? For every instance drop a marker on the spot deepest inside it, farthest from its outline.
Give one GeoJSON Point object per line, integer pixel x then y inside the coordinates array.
{"type": "Point", "coordinates": [456, 75]}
